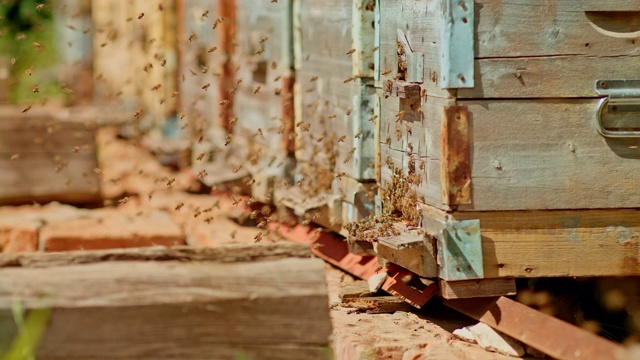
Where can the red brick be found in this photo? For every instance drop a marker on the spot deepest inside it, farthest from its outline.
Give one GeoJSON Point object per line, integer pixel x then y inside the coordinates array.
{"type": "Point", "coordinates": [111, 228]}
{"type": "Point", "coordinates": [20, 225]}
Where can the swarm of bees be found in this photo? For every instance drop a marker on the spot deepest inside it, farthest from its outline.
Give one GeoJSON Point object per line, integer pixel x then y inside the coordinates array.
{"type": "Point", "coordinates": [221, 87]}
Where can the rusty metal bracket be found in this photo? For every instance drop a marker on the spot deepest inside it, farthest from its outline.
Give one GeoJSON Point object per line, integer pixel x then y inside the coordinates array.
{"type": "Point", "coordinates": [456, 156]}
{"type": "Point", "coordinates": [550, 335]}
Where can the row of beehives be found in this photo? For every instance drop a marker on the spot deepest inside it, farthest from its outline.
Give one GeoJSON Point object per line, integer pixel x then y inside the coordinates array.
{"type": "Point", "coordinates": [463, 107]}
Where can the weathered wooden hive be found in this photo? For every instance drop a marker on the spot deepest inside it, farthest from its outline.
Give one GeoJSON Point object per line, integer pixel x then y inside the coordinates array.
{"type": "Point", "coordinates": [523, 169]}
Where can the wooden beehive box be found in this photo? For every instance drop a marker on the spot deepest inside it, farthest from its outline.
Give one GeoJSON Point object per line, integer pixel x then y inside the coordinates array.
{"type": "Point", "coordinates": [205, 75]}
{"type": "Point", "coordinates": [263, 98]}
{"type": "Point", "coordinates": [238, 301]}
{"type": "Point", "coordinates": [47, 154]}
{"type": "Point", "coordinates": [494, 105]}
{"type": "Point", "coordinates": [334, 98]}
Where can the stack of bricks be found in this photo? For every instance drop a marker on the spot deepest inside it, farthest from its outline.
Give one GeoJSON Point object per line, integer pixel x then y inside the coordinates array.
{"type": "Point", "coordinates": [57, 227]}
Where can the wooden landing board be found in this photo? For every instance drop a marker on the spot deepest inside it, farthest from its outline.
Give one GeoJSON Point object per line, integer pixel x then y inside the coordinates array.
{"type": "Point", "coordinates": [543, 332]}
{"type": "Point", "coordinates": [185, 302]}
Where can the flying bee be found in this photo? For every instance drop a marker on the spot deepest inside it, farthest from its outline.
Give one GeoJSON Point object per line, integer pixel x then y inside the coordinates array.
{"type": "Point", "coordinates": [386, 72]}
{"type": "Point", "coordinates": [340, 175]}
{"type": "Point", "coordinates": [258, 237]}
{"type": "Point", "coordinates": [171, 181]}
{"type": "Point", "coordinates": [263, 40]}
{"type": "Point", "coordinates": [314, 78]}
{"type": "Point", "coordinates": [164, 62]}
{"type": "Point", "coordinates": [39, 7]}
{"type": "Point", "coordinates": [192, 36]}
{"type": "Point", "coordinates": [332, 116]}
{"type": "Point", "coordinates": [123, 200]}
{"type": "Point", "coordinates": [228, 140]}
{"type": "Point", "coordinates": [201, 156]}
{"type": "Point", "coordinates": [233, 234]}
{"type": "Point", "coordinates": [212, 49]}
{"type": "Point", "coordinates": [26, 109]}
{"type": "Point", "coordinates": [235, 201]}
{"type": "Point", "coordinates": [277, 91]}
{"type": "Point", "coordinates": [277, 78]}
{"type": "Point", "coordinates": [342, 138]}
{"type": "Point", "coordinates": [373, 118]}
{"type": "Point", "coordinates": [202, 174]}
{"type": "Point", "coordinates": [358, 134]}
{"type": "Point", "coordinates": [156, 87]}
{"type": "Point", "coordinates": [349, 79]}
{"type": "Point", "coordinates": [179, 206]}
{"type": "Point", "coordinates": [205, 14]}
{"type": "Point", "coordinates": [260, 51]}
{"type": "Point", "coordinates": [15, 156]}
{"type": "Point", "coordinates": [140, 16]}
{"type": "Point", "coordinates": [256, 90]}
{"type": "Point", "coordinates": [36, 89]}
{"type": "Point", "coordinates": [351, 51]}
{"type": "Point", "coordinates": [206, 86]}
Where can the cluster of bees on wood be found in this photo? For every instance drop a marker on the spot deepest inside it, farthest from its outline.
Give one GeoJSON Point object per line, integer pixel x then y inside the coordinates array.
{"type": "Point", "coordinates": [398, 195]}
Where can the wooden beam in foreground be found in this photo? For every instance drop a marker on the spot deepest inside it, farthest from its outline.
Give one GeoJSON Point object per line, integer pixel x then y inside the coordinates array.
{"type": "Point", "coordinates": [250, 301]}
{"type": "Point", "coordinates": [546, 333]}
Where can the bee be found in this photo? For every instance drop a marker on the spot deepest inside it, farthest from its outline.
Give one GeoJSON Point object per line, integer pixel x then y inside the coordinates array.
{"type": "Point", "coordinates": [171, 181]}
{"type": "Point", "coordinates": [233, 234]}
{"type": "Point", "coordinates": [228, 140]}
{"type": "Point", "coordinates": [236, 169]}
{"type": "Point", "coordinates": [256, 90]}
{"type": "Point", "coordinates": [349, 79]}
{"type": "Point", "coordinates": [258, 237]}
{"type": "Point", "coordinates": [264, 39]}
{"type": "Point", "coordinates": [208, 220]}
{"type": "Point", "coordinates": [15, 156]}
{"type": "Point", "coordinates": [162, 100]}
{"type": "Point", "coordinates": [340, 175]}
{"type": "Point", "coordinates": [358, 134]}
{"type": "Point", "coordinates": [386, 72]}
{"type": "Point", "coordinates": [259, 51]}
{"type": "Point", "coordinates": [140, 16]}
{"type": "Point", "coordinates": [205, 14]}
{"type": "Point", "coordinates": [39, 7]}
{"type": "Point", "coordinates": [351, 51]}
{"type": "Point", "coordinates": [163, 63]}
{"type": "Point", "coordinates": [193, 73]}
{"type": "Point", "coordinates": [373, 118]}
{"type": "Point", "coordinates": [28, 71]}
{"type": "Point", "coordinates": [206, 86]}
{"type": "Point", "coordinates": [235, 201]}
{"type": "Point", "coordinates": [192, 36]}
{"type": "Point", "coordinates": [137, 114]}
{"type": "Point", "coordinates": [224, 102]}
{"type": "Point", "coordinates": [156, 87]}
{"type": "Point", "coordinates": [212, 49]}
{"type": "Point", "coordinates": [375, 48]}
{"type": "Point", "coordinates": [277, 78]}
{"type": "Point", "coordinates": [314, 78]}
{"type": "Point", "coordinates": [179, 206]}
{"type": "Point", "coordinates": [123, 200]}
{"type": "Point", "coordinates": [76, 149]}
{"type": "Point", "coordinates": [260, 132]}
{"type": "Point", "coordinates": [342, 138]}
{"type": "Point", "coordinates": [332, 116]}
{"type": "Point", "coordinates": [202, 174]}
{"type": "Point", "coordinates": [277, 91]}
{"type": "Point", "coordinates": [26, 109]}
{"type": "Point", "coordinates": [218, 21]}
{"type": "Point", "coordinates": [400, 115]}
{"type": "Point", "coordinates": [201, 156]}
{"type": "Point", "coordinates": [36, 89]}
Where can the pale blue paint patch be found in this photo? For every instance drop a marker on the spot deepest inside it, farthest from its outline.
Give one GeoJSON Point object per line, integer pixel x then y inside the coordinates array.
{"type": "Point", "coordinates": [460, 251]}
{"type": "Point", "coordinates": [457, 41]}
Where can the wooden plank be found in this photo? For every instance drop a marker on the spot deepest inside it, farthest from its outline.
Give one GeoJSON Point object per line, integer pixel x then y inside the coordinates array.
{"type": "Point", "coordinates": [228, 253]}
{"type": "Point", "coordinates": [183, 302]}
{"type": "Point", "coordinates": [543, 332]}
{"type": "Point", "coordinates": [46, 157]}
{"type": "Point", "coordinates": [578, 243]}
{"type": "Point", "coordinates": [558, 76]}
{"type": "Point", "coordinates": [477, 288]}
{"type": "Point", "coordinates": [377, 304]}
{"type": "Point", "coordinates": [546, 157]}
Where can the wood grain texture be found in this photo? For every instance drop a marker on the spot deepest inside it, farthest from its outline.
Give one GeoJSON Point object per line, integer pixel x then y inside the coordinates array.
{"type": "Point", "coordinates": [548, 156]}
{"type": "Point", "coordinates": [227, 253]}
{"type": "Point", "coordinates": [477, 288]}
{"type": "Point", "coordinates": [45, 157]}
{"type": "Point", "coordinates": [554, 243]}
{"type": "Point", "coordinates": [254, 300]}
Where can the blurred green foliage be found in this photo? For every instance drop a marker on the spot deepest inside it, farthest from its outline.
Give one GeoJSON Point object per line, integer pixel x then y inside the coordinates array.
{"type": "Point", "coordinates": [27, 35]}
